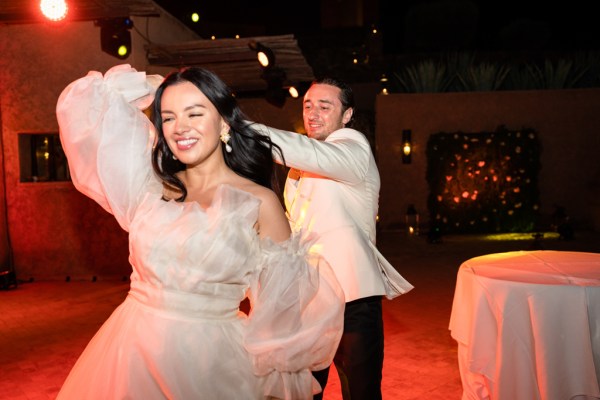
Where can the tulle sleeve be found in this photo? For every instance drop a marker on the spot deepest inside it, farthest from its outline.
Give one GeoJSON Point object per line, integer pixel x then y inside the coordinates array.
{"type": "Point", "coordinates": [296, 320]}
{"type": "Point", "coordinates": [107, 138]}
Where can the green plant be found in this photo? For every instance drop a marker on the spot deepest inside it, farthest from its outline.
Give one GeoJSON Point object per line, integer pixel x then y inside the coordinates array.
{"type": "Point", "coordinates": [465, 71]}
{"type": "Point", "coordinates": [554, 76]}
{"type": "Point", "coordinates": [458, 63]}
{"type": "Point", "coordinates": [483, 77]}
{"type": "Point", "coordinates": [588, 64]}
{"type": "Point", "coordinates": [425, 77]}
{"type": "Point", "coordinates": [520, 78]}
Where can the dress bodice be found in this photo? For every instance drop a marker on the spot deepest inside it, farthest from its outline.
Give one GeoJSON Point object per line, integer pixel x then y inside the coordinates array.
{"type": "Point", "coordinates": [182, 247]}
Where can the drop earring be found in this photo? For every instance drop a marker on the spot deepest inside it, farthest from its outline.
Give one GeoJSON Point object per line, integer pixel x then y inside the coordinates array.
{"type": "Point", "coordinates": [225, 139]}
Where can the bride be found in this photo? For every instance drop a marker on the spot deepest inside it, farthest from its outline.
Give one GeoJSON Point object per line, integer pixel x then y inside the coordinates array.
{"type": "Point", "coordinates": [206, 230]}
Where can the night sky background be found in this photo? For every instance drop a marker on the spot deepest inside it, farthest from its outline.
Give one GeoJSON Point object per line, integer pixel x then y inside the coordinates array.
{"type": "Point", "coordinates": [413, 26]}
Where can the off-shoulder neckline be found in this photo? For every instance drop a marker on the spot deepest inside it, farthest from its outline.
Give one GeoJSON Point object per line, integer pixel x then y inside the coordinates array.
{"type": "Point", "coordinates": [218, 197]}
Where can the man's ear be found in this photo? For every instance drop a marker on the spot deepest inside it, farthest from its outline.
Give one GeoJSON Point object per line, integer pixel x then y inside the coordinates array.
{"type": "Point", "coordinates": [347, 116]}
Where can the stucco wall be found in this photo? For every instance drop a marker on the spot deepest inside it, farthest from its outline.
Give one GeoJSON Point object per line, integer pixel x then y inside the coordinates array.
{"type": "Point", "coordinates": [568, 122]}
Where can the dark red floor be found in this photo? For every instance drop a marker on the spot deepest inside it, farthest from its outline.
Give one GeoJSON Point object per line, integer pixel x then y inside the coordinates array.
{"type": "Point", "coordinates": [45, 325]}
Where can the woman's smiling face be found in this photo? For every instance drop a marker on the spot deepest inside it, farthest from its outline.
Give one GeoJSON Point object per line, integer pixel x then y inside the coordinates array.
{"type": "Point", "coordinates": [190, 123]}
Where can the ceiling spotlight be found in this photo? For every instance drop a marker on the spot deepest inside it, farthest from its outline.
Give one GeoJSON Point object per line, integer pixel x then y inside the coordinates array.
{"type": "Point", "coordinates": [298, 89]}
{"type": "Point", "coordinates": [264, 55]}
{"type": "Point", "coordinates": [115, 36]}
{"type": "Point", "coordinates": [275, 93]}
{"type": "Point", "coordinates": [293, 92]}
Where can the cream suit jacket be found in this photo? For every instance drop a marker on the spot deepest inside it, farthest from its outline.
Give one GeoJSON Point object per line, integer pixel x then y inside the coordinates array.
{"type": "Point", "coordinates": [332, 189]}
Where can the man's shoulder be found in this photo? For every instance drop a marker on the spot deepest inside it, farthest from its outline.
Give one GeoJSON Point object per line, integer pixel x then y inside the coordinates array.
{"type": "Point", "coordinates": [348, 133]}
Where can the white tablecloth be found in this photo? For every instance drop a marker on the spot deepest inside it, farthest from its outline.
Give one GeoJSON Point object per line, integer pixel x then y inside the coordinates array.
{"type": "Point", "coordinates": [527, 325]}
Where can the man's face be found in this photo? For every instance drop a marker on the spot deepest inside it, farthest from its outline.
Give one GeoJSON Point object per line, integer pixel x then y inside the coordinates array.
{"type": "Point", "coordinates": [322, 111]}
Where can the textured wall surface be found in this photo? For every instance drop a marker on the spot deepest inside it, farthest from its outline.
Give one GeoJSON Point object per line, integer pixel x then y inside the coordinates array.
{"type": "Point", "coordinates": [54, 230]}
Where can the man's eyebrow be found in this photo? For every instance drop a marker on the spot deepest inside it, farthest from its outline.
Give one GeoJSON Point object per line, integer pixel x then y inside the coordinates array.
{"type": "Point", "coordinates": [321, 101]}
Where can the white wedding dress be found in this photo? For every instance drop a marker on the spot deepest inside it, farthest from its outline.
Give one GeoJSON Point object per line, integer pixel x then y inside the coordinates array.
{"type": "Point", "coordinates": [179, 334]}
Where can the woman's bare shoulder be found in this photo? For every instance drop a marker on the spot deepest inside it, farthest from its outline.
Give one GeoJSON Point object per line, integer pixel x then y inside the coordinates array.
{"type": "Point", "coordinates": [266, 195]}
{"type": "Point", "coordinates": [272, 221]}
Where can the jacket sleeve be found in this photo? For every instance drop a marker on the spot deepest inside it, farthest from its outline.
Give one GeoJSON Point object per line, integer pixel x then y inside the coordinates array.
{"type": "Point", "coordinates": [107, 138]}
{"type": "Point", "coordinates": [343, 156]}
{"type": "Point", "coordinates": [296, 320]}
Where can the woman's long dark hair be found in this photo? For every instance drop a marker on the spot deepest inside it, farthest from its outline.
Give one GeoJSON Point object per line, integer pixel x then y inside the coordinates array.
{"type": "Point", "coordinates": [251, 155]}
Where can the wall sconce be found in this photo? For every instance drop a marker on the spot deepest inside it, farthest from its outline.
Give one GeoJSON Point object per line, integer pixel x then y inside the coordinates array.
{"type": "Point", "coordinates": [412, 221]}
{"type": "Point", "coordinates": [384, 82]}
{"type": "Point", "coordinates": [406, 146]}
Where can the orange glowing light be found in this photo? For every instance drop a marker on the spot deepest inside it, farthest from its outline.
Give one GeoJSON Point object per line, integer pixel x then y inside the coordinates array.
{"type": "Point", "coordinates": [54, 10]}
{"type": "Point", "coordinates": [480, 164]}
{"type": "Point", "coordinates": [465, 194]}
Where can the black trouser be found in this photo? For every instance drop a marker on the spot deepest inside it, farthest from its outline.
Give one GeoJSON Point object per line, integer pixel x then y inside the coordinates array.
{"type": "Point", "coordinates": [359, 357]}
